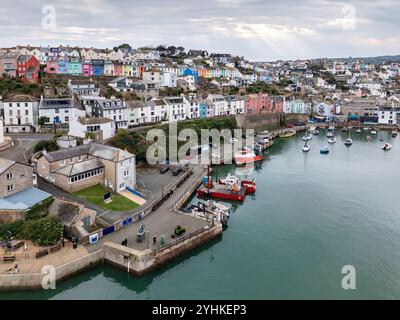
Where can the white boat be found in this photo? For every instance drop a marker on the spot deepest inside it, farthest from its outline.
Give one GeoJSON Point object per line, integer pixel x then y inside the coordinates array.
{"type": "Point", "coordinates": [332, 140]}
{"type": "Point", "coordinates": [263, 133]}
{"type": "Point", "coordinates": [373, 132]}
{"type": "Point", "coordinates": [348, 142]}
{"type": "Point", "coordinates": [358, 131]}
{"type": "Point", "coordinates": [315, 132]}
{"type": "Point", "coordinates": [386, 147]}
{"type": "Point", "coordinates": [344, 129]}
{"type": "Point", "coordinates": [307, 137]}
{"type": "Point", "coordinates": [329, 134]}
{"type": "Point", "coordinates": [306, 147]}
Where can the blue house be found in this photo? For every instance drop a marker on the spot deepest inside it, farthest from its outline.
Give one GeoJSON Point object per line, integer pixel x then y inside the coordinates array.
{"type": "Point", "coordinates": [190, 72]}
{"type": "Point", "coordinates": [202, 109]}
{"type": "Point", "coordinates": [98, 67]}
{"type": "Point", "coordinates": [63, 67]}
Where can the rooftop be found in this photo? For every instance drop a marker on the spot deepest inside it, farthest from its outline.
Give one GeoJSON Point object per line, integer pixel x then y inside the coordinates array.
{"type": "Point", "coordinates": [79, 167]}
{"type": "Point", "coordinates": [66, 153]}
{"type": "Point", "coordinates": [109, 153]}
{"type": "Point", "coordinates": [99, 120]}
{"type": "Point", "coordinates": [5, 164]}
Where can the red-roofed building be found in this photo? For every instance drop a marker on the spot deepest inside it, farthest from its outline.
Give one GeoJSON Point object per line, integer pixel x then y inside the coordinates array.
{"type": "Point", "coordinates": [28, 68]}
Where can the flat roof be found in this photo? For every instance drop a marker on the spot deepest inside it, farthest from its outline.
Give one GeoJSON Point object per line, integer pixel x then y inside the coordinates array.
{"type": "Point", "coordinates": [23, 200]}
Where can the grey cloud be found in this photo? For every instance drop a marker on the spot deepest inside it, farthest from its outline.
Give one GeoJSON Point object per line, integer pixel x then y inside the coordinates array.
{"type": "Point", "coordinates": [260, 30]}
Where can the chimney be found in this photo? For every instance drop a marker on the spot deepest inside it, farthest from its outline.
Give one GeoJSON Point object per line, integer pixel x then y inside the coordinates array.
{"type": "Point", "coordinates": [44, 151]}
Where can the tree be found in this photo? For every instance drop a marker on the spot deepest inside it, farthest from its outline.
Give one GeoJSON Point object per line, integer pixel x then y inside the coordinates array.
{"type": "Point", "coordinates": [49, 145]}
{"type": "Point", "coordinates": [42, 121]}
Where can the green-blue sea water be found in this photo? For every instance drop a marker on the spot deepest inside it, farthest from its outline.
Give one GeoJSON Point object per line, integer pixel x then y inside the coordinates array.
{"type": "Point", "coordinates": [312, 215]}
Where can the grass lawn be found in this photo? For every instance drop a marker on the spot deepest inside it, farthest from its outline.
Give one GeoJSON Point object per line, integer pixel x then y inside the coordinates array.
{"type": "Point", "coordinates": [95, 195]}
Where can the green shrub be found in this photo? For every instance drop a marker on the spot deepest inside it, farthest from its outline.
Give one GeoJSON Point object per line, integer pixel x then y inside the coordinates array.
{"type": "Point", "coordinates": [39, 210]}
{"type": "Point", "coordinates": [44, 231]}
{"type": "Point", "coordinates": [13, 227]}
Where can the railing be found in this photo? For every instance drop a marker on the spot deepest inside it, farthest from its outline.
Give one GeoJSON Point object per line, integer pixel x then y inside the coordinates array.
{"type": "Point", "coordinates": [151, 205]}
{"type": "Point", "coordinates": [180, 240]}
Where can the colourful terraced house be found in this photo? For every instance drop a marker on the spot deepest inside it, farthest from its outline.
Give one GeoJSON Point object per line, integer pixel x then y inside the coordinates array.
{"type": "Point", "coordinates": [98, 67]}
{"type": "Point", "coordinates": [87, 69]}
{"type": "Point", "coordinates": [75, 68]}
{"type": "Point", "coordinates": [63, 67]}
{"type": "Point", "coordinates": [118, 69]}
{"type": "Point", "coordinates": [127, 70]}
{"type": "Point", "coordinates": [52, 66]}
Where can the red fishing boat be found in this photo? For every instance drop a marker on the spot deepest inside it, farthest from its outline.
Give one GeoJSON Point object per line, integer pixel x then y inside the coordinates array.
{"type": "Point", "coordinates": [246, 155]}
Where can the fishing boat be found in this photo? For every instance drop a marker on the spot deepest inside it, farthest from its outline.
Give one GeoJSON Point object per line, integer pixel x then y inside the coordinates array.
{"type": "Point", "coordinates": [324, 150]}
{"type": "Point", "coordinates": [249, 186]}
{"type": "Point", "coordinates": [344, 129]}
{"type": "Point", "coordinates": [306, 147]}
{"type": "Point", "coordinates": [394, 133]}
{"type": "Point", "coordinates": [386, 147]}
{"type": "Point", "coordinates": [288, 134]}
{"type": "Point", "coordinates": [373, 132]}
{"type": "Point", "coordinates": [203, 210]}
{"type": "Point", "coordinates": [246, 155]}
{"type": "Point", "coordinates": [358, 130]}
{"type": "Point", "coordinates": [348, 141]}
{"type": "Point", "coordinates": [219, 191]}
{"type": "Point", "coordinates": [366, 129]}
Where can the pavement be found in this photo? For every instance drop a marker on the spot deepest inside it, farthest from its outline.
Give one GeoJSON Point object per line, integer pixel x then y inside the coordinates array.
{"type": "Point", "coordinates": [23, 144]}
{"type": "Point", "coordinates": [33, 265]}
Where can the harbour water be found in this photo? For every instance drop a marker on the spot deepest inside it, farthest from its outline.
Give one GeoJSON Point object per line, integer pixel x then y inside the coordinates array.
{"type": "Point", "coordinates": [312, 215]}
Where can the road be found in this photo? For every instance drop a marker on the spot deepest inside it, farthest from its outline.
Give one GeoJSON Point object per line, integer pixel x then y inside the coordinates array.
{"type": "Point", "coordinates": [23, 144]}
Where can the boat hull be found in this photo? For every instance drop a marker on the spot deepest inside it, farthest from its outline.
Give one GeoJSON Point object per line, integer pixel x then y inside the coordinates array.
{"type": "Point", "coordinates": [221, 195]}
{"type": "Point", "coordinates": [242, 160]}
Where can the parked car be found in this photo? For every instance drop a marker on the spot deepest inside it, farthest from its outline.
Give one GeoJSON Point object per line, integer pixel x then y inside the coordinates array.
{"type": "Point", "coordinates": [177, 171]}
{"type": "Point", "coordinates": [164, 168]}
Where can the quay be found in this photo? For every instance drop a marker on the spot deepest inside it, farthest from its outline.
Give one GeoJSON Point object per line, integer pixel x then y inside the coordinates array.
{"type": "Point", "coordinates": [137, 258]}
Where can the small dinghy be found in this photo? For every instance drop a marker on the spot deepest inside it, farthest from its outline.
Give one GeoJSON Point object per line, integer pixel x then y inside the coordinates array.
{"type": "Point", "coordinates": [324, 150]}
{"type": "Point", "coordinates": [386, 147]}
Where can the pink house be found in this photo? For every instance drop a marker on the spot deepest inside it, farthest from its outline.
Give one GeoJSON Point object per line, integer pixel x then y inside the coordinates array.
{"type": "Point", "coordinates": [256, 103]}
{"type": "Point", "coordinates": [52, 66]}
{"type": "Point", "coordinates": [87, 69]}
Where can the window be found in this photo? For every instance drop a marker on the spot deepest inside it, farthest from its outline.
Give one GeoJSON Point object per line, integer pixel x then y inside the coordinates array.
{"type": "Point", "coordinates": [9, 175]}
{"type": "Point", "coordinates": [26, 112]}
{"type": "Point", "coordinates": [10, 187]}
{"type": "Point", "coordinates": [80, 158]}
{"type": "Point", "coordinates": [126, 173]}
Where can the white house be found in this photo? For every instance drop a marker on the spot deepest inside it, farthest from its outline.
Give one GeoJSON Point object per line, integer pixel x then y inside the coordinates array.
{"type": "Point", "coordinates": [387, 115]}
{"type": "Point", "coordinates": [219, 103]}
{"type": "Point", "coordinates": [296, 106]}
{"type": "Point", "coordinates": [59, 110]}
{"type": "Point", "coordinates": [20, 113]}
{"type": "Point", "coordinates": [235, 104]}
{"type": "Point", "coordinates": [103, 126]}
{"type": "Point", "coordinates": [176, 108]}
{"type": "Point", "coordinates": [140, 112]}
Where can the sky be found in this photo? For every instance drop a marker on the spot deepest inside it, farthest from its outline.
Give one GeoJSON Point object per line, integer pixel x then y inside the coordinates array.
{"type": "Point", "coordinates": [259, 30]}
